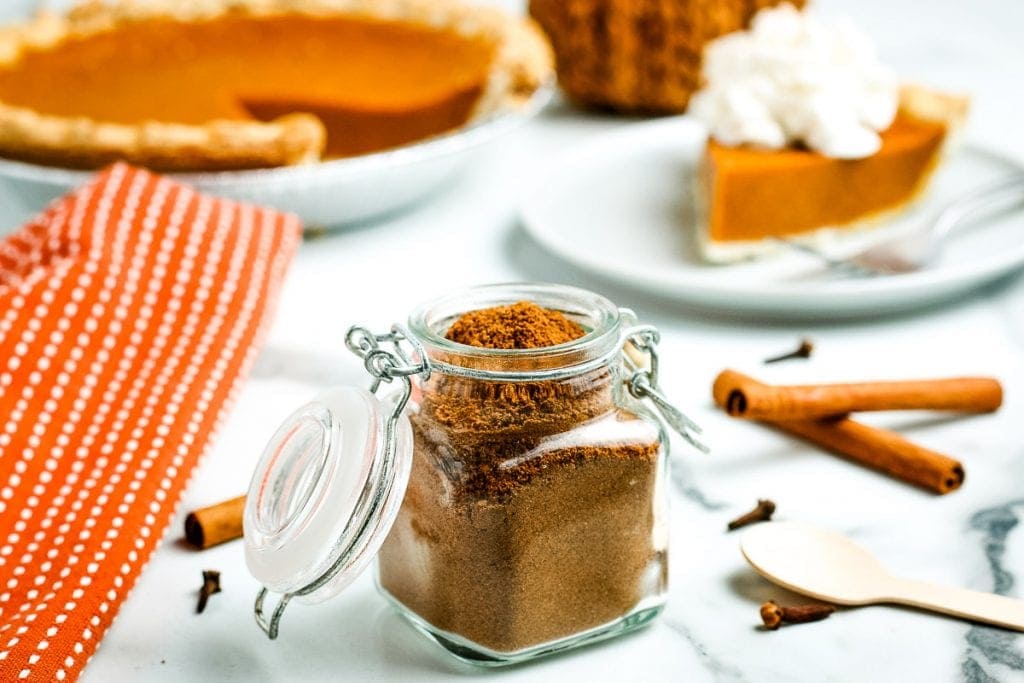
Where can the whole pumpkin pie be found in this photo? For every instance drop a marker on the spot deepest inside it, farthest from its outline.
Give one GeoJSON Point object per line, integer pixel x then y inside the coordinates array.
{"type": "Point", "coordinates": [747, 197]}
{"type": "Point", "coordinates": [192, 85]}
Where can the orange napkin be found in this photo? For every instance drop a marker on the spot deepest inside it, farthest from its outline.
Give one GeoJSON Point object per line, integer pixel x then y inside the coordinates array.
{"type": "Point", "coordinates": [130, 312]}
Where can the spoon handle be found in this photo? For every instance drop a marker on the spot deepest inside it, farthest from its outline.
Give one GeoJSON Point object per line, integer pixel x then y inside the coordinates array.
{"type": "Point", "coordinates": [960, 602]}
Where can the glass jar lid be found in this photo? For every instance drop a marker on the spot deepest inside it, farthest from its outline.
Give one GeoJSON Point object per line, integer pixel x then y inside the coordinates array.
{"type": "Point", "coordinates": [325, 494]}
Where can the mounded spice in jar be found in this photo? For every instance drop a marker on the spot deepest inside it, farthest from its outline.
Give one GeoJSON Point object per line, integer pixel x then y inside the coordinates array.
{"type": "Point", "coordinates": [532, 512]}
{"type": "Point", "coordinates": [523, 325]}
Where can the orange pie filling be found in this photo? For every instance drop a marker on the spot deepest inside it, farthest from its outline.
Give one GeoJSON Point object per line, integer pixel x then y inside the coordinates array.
{"type": "Point", "coordinates": [754, 194]}
{"type": "Point", "coordinates": [373, 84]}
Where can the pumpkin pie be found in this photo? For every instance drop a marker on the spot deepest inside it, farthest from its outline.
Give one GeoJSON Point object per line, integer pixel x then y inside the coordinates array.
{"type": "Point", "coordinates": [746, 197]}
{"type": "Point", "coordinates": [232, 84]}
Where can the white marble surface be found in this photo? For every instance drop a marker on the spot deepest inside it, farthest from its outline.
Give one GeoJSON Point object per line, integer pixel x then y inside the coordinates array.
{"type": "Point", "coordinates": [709, 631]}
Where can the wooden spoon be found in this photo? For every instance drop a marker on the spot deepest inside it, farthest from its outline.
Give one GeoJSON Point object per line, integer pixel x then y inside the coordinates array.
{"type": "Point", "coordinates": [828, 566]}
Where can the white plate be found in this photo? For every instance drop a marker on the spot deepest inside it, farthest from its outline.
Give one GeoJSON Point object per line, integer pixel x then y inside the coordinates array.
{"type": "Point", "coordinates": [619, 205]}
{"type": "Point", "coordinates": [328, 194]}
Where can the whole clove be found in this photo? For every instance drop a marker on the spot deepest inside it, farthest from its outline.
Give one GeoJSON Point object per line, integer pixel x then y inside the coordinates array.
{"type": "Point", "coordinates": [774, 615]}
{"type": "Point", "coordinates": [211, 585]}
{"type": "Point", "coordinates": [805, 350]}
{"type": "Point", "coordinates": [762, 513]}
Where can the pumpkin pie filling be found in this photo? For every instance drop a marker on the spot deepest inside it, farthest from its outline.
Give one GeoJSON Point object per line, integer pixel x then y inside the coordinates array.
{"type": "Point", "coordinates": [753, 194]}
{"type": "Point", "coordinates": [373, 84]}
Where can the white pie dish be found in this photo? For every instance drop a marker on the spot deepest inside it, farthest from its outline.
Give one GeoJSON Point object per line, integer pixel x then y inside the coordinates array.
{"type": "Point", "coordinates": [329, 194]}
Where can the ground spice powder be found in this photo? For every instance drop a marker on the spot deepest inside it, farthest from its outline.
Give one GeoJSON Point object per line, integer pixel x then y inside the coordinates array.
{"type": "Point", "coordinates": [531, 512]}
{"type": "Point", "coordinates": [523, 325]}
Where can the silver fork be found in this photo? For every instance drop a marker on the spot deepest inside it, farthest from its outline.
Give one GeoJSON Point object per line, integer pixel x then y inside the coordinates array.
{"type": "Point", "coordinates": [913, 250]}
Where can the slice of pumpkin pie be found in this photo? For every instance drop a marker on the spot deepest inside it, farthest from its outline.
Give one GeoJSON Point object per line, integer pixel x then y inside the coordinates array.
{"type": "Point", "coordinates": [810, 138]}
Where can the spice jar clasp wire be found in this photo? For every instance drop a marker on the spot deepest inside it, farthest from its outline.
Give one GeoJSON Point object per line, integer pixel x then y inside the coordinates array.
{"type": "Point", "coordinates": [386, 360]}
{"type": "Point", "coordinates": [643, 379]}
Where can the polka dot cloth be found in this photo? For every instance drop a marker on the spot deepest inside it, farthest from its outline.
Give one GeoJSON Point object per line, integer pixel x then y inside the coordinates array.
{"type": "Point", "coordinates": [129, 313]}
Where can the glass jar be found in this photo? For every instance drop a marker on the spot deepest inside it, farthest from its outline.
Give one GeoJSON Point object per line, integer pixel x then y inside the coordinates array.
{"type": "Point", "coordinates": [533, 515]}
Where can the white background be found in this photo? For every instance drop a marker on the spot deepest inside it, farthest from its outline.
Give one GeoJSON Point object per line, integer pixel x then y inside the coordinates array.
{"type": "Point", "coordinates": [469, 235]}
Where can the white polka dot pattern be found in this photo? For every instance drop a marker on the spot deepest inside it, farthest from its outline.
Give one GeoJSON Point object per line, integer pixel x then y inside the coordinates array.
{"type": "Point", "coordinates": [130, 312]}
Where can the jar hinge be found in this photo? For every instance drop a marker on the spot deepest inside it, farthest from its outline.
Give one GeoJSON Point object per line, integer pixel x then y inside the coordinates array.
{"type": "Point", "coordinates": [643, 383]}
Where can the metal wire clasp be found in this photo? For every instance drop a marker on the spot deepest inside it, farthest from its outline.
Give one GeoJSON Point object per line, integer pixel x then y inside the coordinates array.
{"type": "Point", "coordinates": [386, 361]}
{"type": "Point", "coordinates": [643, 383]}
{"type": "Point", "coordinates": [387, 364]}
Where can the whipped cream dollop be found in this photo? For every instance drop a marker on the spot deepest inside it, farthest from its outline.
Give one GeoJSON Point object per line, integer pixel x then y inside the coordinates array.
{"type": "Point", "coordinates": [792, 79]}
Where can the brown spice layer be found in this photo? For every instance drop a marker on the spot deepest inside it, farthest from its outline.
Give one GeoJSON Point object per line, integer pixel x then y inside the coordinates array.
{"type": "Point", "coordinates": [477, 412]}
{"type": "Point", "coordinates": [500, 446]}
{"type": "Point", "coordinates": [523, 325]}
{"type": "Point", "coordinates": [572, 550]}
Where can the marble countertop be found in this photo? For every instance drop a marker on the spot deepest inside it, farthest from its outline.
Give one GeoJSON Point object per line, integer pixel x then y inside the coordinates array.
{"type": "Point", "coordinates": [709, 631]}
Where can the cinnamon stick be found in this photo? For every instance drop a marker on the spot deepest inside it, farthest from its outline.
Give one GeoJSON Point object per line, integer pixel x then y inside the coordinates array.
{"type": "Point", "coordinates": [216, 524]}
{"type": "Point", "coordinates": [881, 450]}
{"type": "Point", "coordinates": [743, 396]}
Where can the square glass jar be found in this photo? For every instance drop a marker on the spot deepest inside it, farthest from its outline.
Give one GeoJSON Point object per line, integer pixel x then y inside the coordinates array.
{"type": "Point", "coordinates": [535, 518]}
{"type": "Point", "coordinates": [515, 499]}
